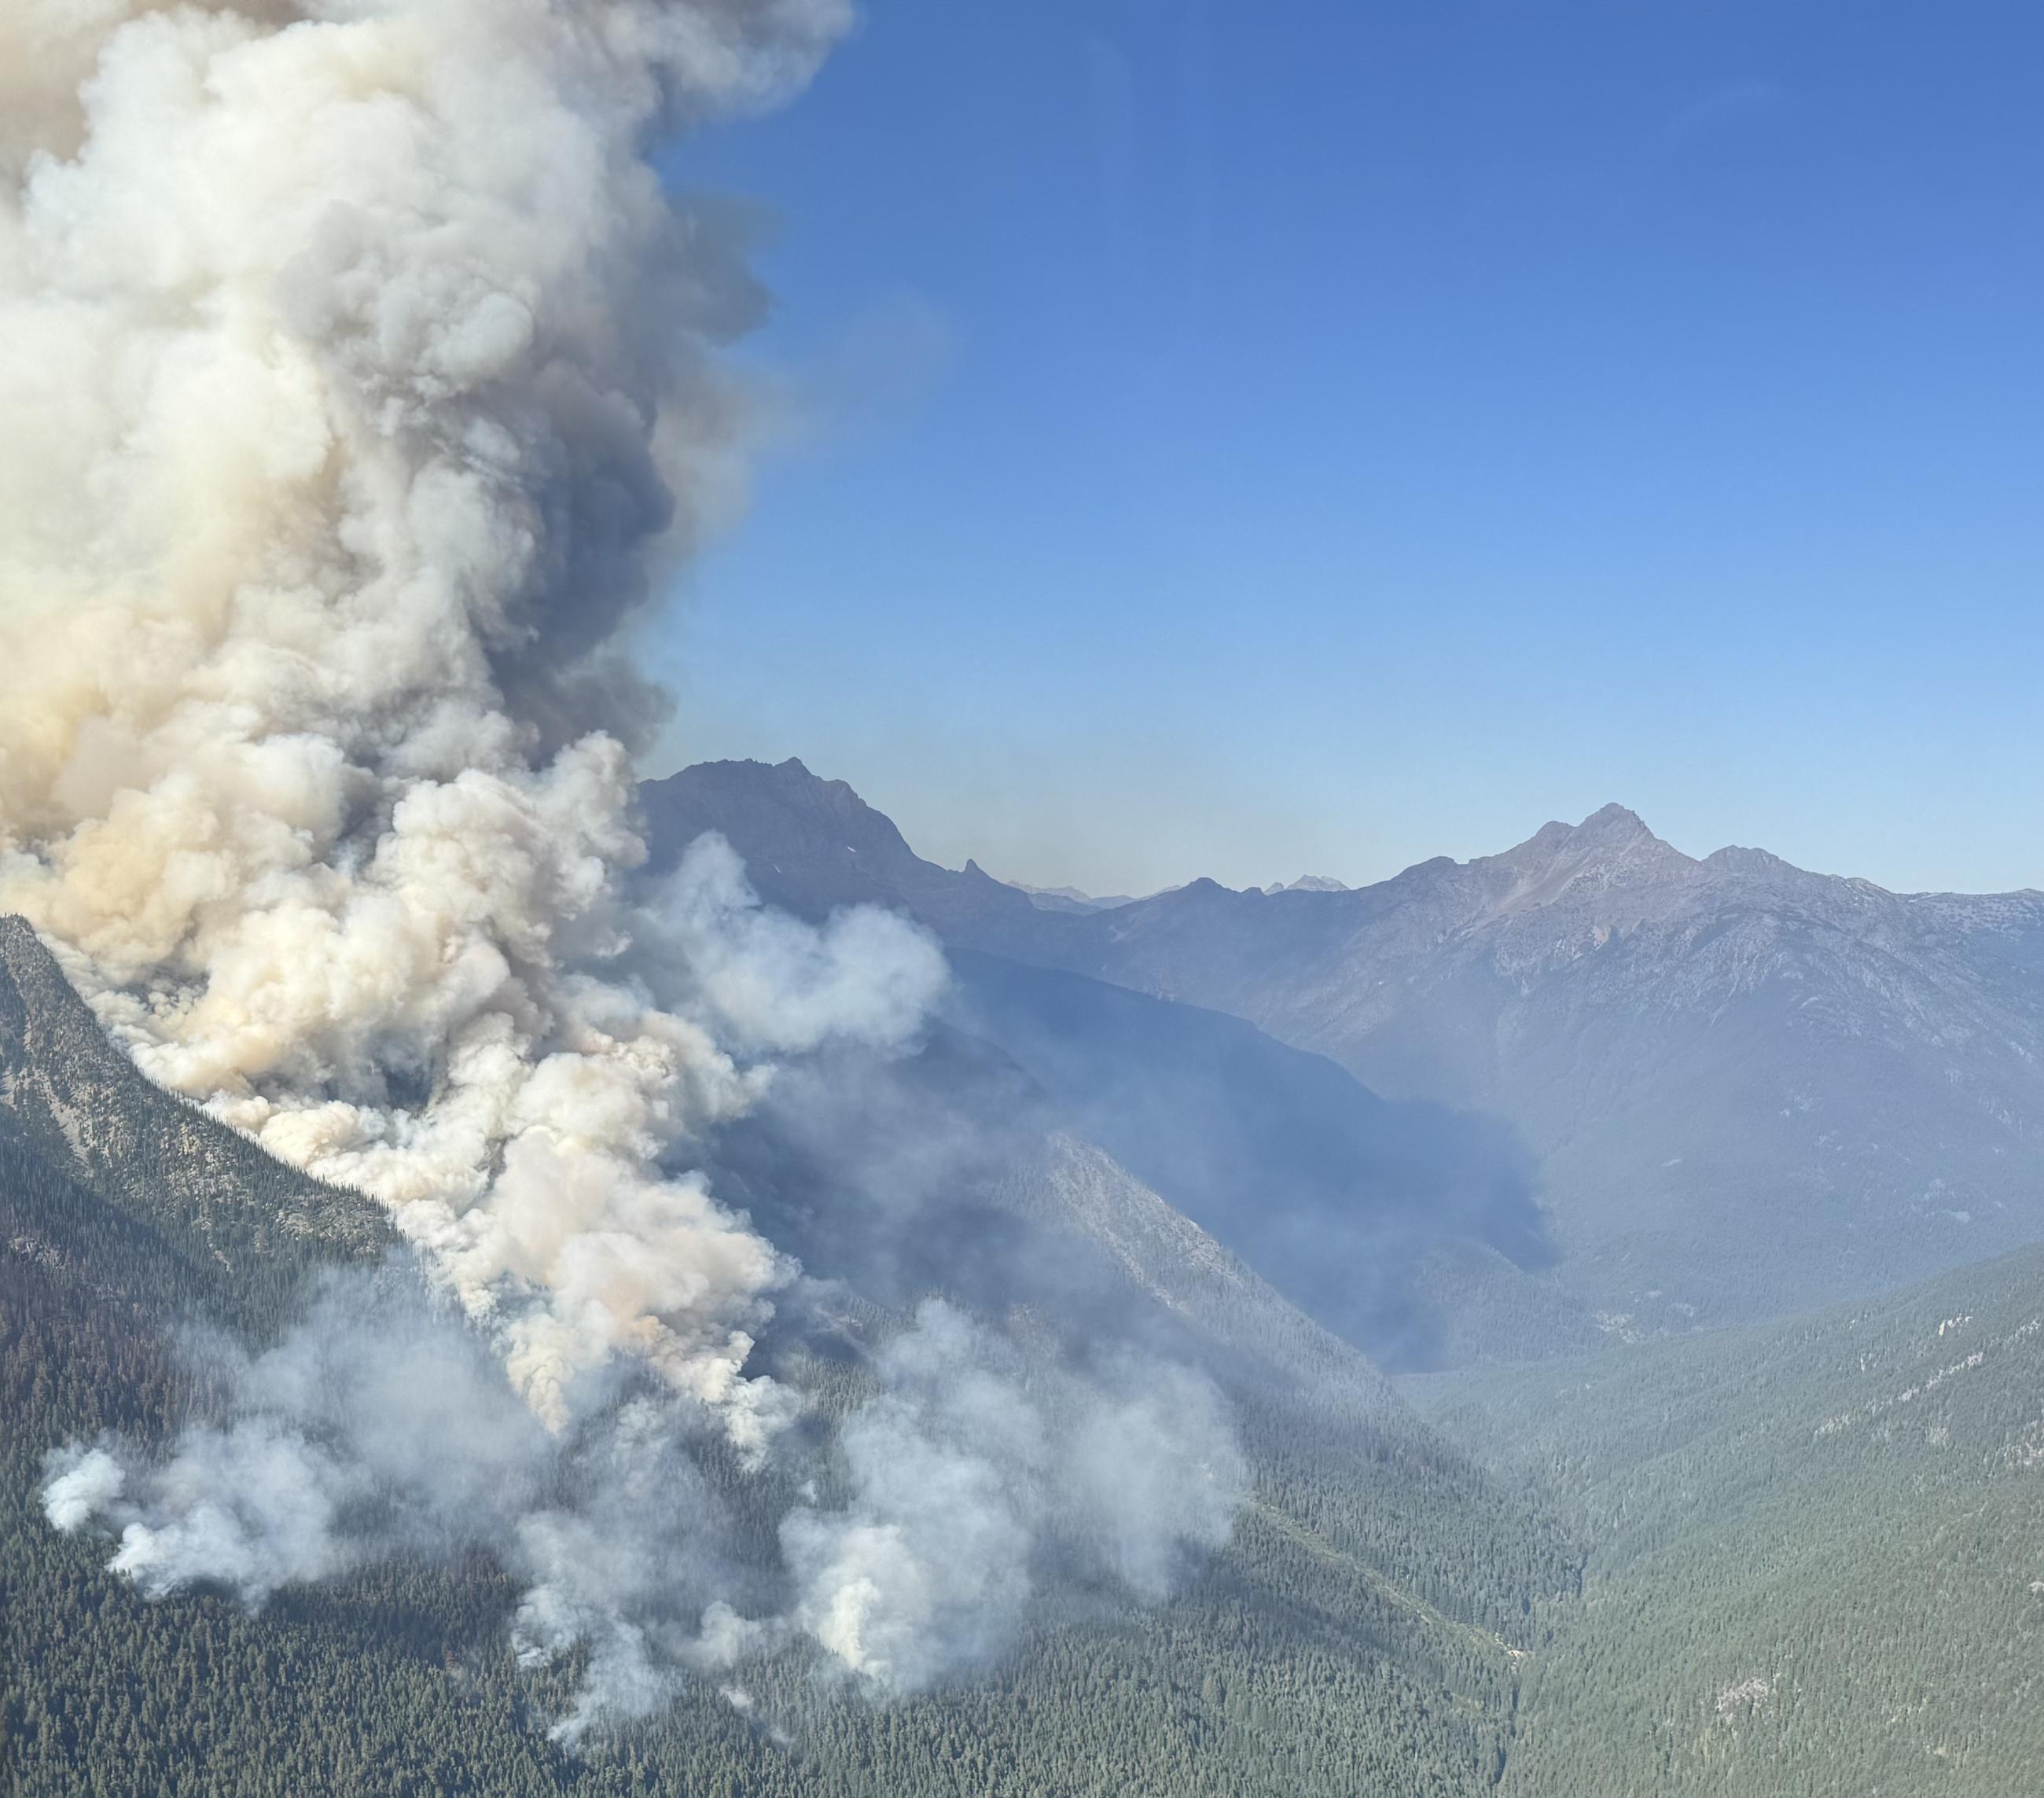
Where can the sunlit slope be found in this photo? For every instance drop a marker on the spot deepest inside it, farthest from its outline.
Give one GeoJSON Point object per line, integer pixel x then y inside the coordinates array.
{"type": "Point", "coordinates": [1816, 1560]}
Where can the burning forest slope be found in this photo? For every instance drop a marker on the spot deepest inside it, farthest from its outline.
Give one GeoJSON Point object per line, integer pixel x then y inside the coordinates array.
{"type": "Point", "coordinates": [1349, 1204]}
{"type": "Point", "coordinates": [1361, 1631]}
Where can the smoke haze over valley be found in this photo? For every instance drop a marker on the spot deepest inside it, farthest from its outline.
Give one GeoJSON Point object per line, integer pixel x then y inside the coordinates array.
{"type": "Point", "coordinates": [1734, 1087]}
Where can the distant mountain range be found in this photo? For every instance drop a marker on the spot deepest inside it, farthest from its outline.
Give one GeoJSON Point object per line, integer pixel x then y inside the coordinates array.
{"type": "Point", "coordinates": [1070, 898]}
{"type": "Point", "coordinates": [1309, 883]}
{"type": "Point", "coordinates": [1744, 1088]}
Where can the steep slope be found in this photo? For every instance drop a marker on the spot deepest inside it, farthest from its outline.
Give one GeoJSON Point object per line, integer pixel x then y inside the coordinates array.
{"type": "Point", "coordinates": [1359, 1634]}
{"type": "Point", "coordinates": [952, 1173]}
{"type": "Point", "coordinates": [1337, 1197]}
{"type": "Point", "coordinates": [1748, 1088]}
{"type": "Point", "coordinates": [1817, 1554]}
{"type": "Point", "coordinates": [72, 1101]}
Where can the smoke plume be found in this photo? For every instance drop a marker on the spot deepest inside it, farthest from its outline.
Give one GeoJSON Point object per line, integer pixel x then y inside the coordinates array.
{"type": "Point", "coordinates": [368, 383]}
{"type": "Point", "coordinates": [362, 385]}
{"type": "Point", "coordinates": [962, 1478]}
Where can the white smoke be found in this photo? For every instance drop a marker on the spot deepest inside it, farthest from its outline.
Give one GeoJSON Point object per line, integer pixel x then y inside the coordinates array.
{"type": "Point", "coordinates": [359, 384]}
{"type": "Point", "coordinates": [379, 1426]}
{"type": "Point", "coordinates": [80, 1484]}
{"type": "Point", "coordinates": [968, 1469]}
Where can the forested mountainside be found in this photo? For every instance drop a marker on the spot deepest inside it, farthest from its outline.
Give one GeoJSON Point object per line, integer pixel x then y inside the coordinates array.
{"type": "Point", "coordinates": [1340, 1198]}
{"type": "Point", "coordinates": [1745, 1089]}
{"type": "Point", "coordinates": [1364, 1632]}
{"type": "Point", "coordinates": [1818, 1549]}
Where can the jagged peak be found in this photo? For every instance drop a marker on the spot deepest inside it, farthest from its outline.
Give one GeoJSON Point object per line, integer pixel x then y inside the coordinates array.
{"type": "Point", "coordinates": [1612, 848]}
{"type": "Point", "coordinates": [1611, 830]}
{"type": "Point", "coordinates": [1615, 819]}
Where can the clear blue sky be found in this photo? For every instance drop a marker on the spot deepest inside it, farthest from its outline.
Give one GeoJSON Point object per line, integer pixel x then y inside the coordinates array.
{"type": "Point", "coordinates": [1316, 435]}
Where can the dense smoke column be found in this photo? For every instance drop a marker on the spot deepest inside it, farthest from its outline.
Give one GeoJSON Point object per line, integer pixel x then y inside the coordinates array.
{"type": "Point", "coordinates": [359, 384]}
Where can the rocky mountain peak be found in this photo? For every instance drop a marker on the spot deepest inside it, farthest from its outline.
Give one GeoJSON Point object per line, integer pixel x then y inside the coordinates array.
{"type": "Point", "coordinates": [1761, 867]}
{"type": "Point", "coordinates": [1612, 847]}
{"type": "Point", "coordinates": [1615, 823]}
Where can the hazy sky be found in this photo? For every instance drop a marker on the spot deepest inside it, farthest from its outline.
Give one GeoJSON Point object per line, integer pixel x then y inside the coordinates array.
{"type": "Point", "coordinates": [1250, 438]}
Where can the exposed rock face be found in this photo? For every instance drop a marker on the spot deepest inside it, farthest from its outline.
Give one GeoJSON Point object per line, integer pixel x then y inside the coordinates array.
{"type": "Point", "coordinates": [72, 1101]}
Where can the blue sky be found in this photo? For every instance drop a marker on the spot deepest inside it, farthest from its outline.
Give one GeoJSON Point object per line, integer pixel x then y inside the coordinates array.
{"type": "Point", "coordinates": [1253, 438]}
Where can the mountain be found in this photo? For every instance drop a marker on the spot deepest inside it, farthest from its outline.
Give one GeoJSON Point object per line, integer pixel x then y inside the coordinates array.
{"type": "Point", "coordinates": [1798, 1557]}
{"type": "Point", "coordinates": [1363, 1630]}
{"type": "Point", "coordinates": [1817, 1549]}
{"type": "Point", "coordinates": [1335, 1195]}
{"type": "Point", "coordinates": [1746, 1089]}
{"type": "Point", "coordinates": [811, 845]}
{"type": "Point", "coordinates": [1069, 898]}
{"type": "Point", "coordinates": [1750, 1088]}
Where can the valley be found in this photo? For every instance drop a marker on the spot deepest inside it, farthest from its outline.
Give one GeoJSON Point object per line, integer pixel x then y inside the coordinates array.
{"type": "Point", "coordinates": [1562, 1550]}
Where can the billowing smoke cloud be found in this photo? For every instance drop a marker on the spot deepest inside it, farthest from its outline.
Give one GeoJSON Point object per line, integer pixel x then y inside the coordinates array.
{"type": "Point", "coordinates": [381, 1423]}
{"type": "Point", "coordinates": [960, 1477]}
{"type": "Point", "coordinates": [360, 386]}
{"type": "Point", "coordinates": [379, 1427]}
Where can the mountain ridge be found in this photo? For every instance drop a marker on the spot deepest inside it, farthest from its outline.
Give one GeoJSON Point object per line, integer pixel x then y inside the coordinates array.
{"type": "Point", "coordinates": [1751, 1088]}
